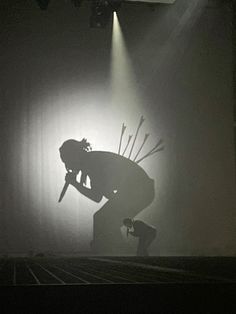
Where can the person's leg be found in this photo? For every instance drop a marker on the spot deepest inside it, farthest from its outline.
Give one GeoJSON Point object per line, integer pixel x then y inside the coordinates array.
{"type": "Point", "coordinates": [141, 249]}
{"type": "Point", "coordinates": [108, 220]}
{"type": "Point", "coordinates": [150, 239]}
{"type": "Point", "coordinates": [107, 237]}
{"type": "Point", "coordinates": [137, 199]}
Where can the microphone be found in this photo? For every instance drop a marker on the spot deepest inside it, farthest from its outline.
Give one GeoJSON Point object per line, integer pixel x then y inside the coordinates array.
{"type": "Point", "coordinates": [65, 187]}
{"type": "Point", "coordinates": [127, 232]}
{"type": "Point", "coordinates": [63, 192]}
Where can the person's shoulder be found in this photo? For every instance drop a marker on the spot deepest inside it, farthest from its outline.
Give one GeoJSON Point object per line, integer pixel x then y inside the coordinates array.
{"type": "Point", "coordinates": [103, 153]}
{"type": "Point", "coordinates": [113, 155]}
{"type": "Point", "coordinates": [110, 156]}
{"type": "Point", "coordinates": [138, 222]}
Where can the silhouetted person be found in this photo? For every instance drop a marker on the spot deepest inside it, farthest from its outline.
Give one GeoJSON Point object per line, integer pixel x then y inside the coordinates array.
{"type": "Point", "coordinates": [124, 183]}
{"type": "Point", "coordinates": [143, 231]}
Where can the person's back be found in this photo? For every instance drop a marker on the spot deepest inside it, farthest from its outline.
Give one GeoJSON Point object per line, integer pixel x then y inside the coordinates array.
{"type": "Point", "coordinates": [122, 181]}
{"type": "Point", "coordinates": [142, 229]}
{"type": "Point", "coordinates": [111, 171]}
{"type": "Point", "coordinates": [146, 234]}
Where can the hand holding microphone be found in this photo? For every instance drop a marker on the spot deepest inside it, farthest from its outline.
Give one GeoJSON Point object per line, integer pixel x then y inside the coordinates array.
{"type": "Point", "coordinates": [70, 178]}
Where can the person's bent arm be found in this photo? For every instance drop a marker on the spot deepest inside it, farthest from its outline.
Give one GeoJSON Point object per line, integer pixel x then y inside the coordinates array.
{"type": "Point", "coordinates": [90, 193]}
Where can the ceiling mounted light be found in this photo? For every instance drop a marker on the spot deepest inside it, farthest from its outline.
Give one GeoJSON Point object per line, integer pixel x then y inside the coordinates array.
{"type": "Point", "coordinates": [101, 12]}
{"type": "Point", "coordinates": [77, 3]}
{"type": "Point", "coordinates": [43, 4]}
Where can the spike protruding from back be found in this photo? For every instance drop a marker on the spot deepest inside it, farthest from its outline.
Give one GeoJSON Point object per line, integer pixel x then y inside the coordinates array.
{"type": "Point", "coordinates": [144, 141]}
{"type": "Point", "coordinates": [154, 150]}
{"type": "Point", "coordinates": [136, 134]}
{"type": "Point", "coordinates": [121, 136]}
{"type": "Point", "coordinates": [129, 139]}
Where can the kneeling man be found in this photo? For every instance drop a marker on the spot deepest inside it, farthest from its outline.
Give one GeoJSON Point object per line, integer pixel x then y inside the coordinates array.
{"type": "Point", "coordinates": [143, 231]}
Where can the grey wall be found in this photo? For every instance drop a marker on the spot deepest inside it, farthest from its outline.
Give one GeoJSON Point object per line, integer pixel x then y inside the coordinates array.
{"type": "Point", "coordinates": [182, 60]}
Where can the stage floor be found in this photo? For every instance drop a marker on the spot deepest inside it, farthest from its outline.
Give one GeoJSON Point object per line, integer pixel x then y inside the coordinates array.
{"type": "Point", "coordinates": [95, 270]}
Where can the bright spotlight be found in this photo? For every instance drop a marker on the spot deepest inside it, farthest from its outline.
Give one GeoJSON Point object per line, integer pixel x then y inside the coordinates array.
{"type": "Point", "coordinates": [101, 12]}
{"type": "Point", "coordinates": [124, 87]}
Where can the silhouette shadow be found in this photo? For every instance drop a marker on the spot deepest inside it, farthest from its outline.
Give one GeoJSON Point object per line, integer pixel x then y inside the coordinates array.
{"type": "Point", "coordinates": [127, 187]}
{"type": "Point", "coordinates": [122, 181]}
{"type": "Point", "coordinates": [144, 232]}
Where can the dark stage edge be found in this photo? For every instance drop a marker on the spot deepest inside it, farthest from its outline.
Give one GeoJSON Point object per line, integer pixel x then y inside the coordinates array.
{"type": "Point", "coordinates": [95, 270]}
{"type": "Point", "coordinates": [119, 284]}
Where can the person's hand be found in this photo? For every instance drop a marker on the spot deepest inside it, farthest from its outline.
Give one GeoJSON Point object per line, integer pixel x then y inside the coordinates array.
{"type": "Point", "coordinates": [71, 178]}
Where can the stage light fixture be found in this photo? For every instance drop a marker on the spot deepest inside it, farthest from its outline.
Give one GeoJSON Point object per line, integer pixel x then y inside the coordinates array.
{"type": "Point", "coordinates": [43, 4]}
{"type": "Point", "coordinates": [101, 12]}
{"type": "Point", "coordinates": [77, 3]}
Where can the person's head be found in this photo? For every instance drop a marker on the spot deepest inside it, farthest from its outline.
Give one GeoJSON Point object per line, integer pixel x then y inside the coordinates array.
{"type": "Point", "coordinates": [72, 153]}
{"type": "Point", "coordinates": [128, 222]}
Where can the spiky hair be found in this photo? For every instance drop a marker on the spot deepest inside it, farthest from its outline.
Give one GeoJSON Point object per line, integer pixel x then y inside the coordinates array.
{"type": "Point", "coordinates": [71, 148]}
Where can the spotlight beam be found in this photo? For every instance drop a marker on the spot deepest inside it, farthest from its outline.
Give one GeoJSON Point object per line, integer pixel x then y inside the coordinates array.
{"type": "Point", "coordinates": [124, 89]}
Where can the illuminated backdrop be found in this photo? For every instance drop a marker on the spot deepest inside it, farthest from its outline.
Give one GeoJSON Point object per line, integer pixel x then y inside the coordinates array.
{"type": "Point", "coordinates": [60, 80]}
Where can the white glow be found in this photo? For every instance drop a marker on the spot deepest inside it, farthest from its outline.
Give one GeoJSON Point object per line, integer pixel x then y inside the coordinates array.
{"type": "Point", "coordinates": [72, 113]}
{"type": "Point", "coordinates": [95, 113]}
{"type": "Point", "coordinates": [127, 97]}
{"type": "Point", "coordinates": [124, 89]}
